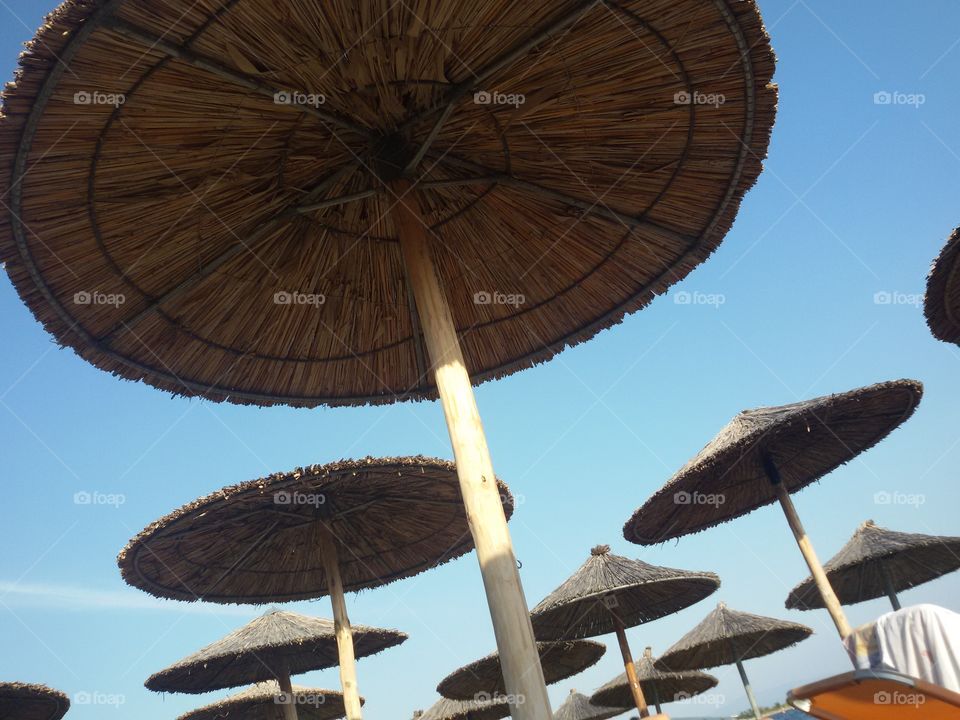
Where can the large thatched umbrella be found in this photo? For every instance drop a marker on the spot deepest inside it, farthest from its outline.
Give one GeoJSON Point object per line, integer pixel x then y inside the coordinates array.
{"type": "Point", "coordinates": [942, 302]}
{"type": "Point", "coordinates": [266, 701]}
{"type": "Point", "coordinates": [727, 637]}
{"type": "Point", "coordinates": [577, 706]}
{"type": "Point", "coordinates": [484, 677]}
{"type": "Point", "coordinates": [305, 203]}
{"type": "Point", "coordinates": [877, 562]}
{"type": "Point", "coordinates": [374, 521]}
{"type": "Point", "coordinates": [484, 709]}
{"type": "Point", "coordinates": [765, 454]}
{"type": "Point", "coordinates": [30, 701]}
{"type": "Point", "coordinates": [660, 686]}
{"type": "Point", "coordinates": [610, 593]}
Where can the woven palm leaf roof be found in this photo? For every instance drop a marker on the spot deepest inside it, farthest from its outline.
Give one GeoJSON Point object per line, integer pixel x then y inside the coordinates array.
{"type": "Point", "coordinates": [256, 542]}
{"type": "Point", "coordinates": [273, 644]}
{"type": "Point", "coordinates": [30, 701]}
{"type": "Point", "coordinates": [806, 440]}
{"type": "Point", "coordinates": [484, 709]}
{"type": "Point", "coordinates": [559, 661]}
{"type": "Point", "coordinates": [204, 208]}
{"type": "Point", "coordinates": [725, 636]}
{"type": "Point", "coordinates": [663, 686]}
{"type": "Point", "coordinates": [263, 702]}
{"type": "Point", "coordinates": [942, 302]}
{"type": "Point", "coordinates": [577, 706]}
{"type": "Point", "coordinates": [856, 573]}
{"type": "Point", "coordinates": [637, 591]}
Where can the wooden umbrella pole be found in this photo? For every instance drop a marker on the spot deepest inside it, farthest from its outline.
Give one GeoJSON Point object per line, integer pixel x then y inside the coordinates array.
{"type": "Point", "coordinates": [635, 690]}
{"type": "Point", "coordinates": [341, 623]}
{"type": "Point", "coordinates": [519, 658]}
{"type": "Point", "coordinates": [286, 687]}
{"type": "Point", "coordinates": [888, 586]}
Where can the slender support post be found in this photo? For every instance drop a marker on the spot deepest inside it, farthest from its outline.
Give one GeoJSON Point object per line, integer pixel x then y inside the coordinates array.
{"type": "Point", "coordinates": [286, 687]}
{"type": "Point", "coordinates": [341, 622]}
{"type": "Point", "coordinates": [888, 586]}
{"type": "Point", "coordinates": [806, 548]}
{"type": "Point", "coordinates": [519, 658]}
{"type": "Point", "coordinates": [656, 698]}
{"type": "Point", "coordinates": [746, 686]}
{"type": "Point", "coordinates": [635, 690]}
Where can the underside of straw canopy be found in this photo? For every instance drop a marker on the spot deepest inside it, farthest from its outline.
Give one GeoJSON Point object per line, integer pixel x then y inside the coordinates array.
{"type": "Point", "coordinates": [484, 677]}
{"type": "Point", "coordinates": [805, 441]}
{"type": "Point", "coordinates": [203, 210]}
{"type": "Point", "coordinates": [577, 706]}
{"type": "Point", "coordinates": [275, 644]}
{"type": "Point", "coordinates": [31, 701]}
{"type": "Point", "coordinates": [484, 709]}
{"type": "Point", "coordinates": [257, 542]}
{"type": "Point", "coordinates": [942, 302]}
{"type": "Point", "coordinates": [726, 636]}
{"type": "Point", "coordinates": [264, 701]}
{"type": "Point", "coordinates": [665, 687]}
{"type": "Point", "coordinates": [874, 556]}
{"type": "Point", "coordinates": [636, 591]}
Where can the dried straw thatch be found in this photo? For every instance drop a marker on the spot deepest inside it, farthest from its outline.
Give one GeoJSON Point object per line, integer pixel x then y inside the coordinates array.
{"type": "Point", "coordinates": [726, 636]}
{"type": "Point", "coordinates": [805, 440]}
{"type": "Point", "coordinates": [148, 151]}
{"type": "Point", "coordinates": [264, 701]}
{"type": "Point", "coordinates": [658, 686]}
{"type": "Point", "coordinates": [484, 678]}
{"type": "Point", "coordinates": [257, 542]}
{"type": "Point", "coordinates": [272, 645]}
{"type": "Point", "coordinates": [636, 591]}
{"type": "Point", "coordinates": [446, 709]}
{"type": "Point", "coordinates": [873, 556]}
{"type": "Point", "coordinates": [29, 701]}
{"type": "Point", "coordinates": [577, 706]}
{"type": "Point", "coordinates": [942, 302]}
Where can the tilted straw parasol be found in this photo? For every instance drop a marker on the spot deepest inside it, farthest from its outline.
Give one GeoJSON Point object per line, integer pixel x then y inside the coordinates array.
{"type": "Point", "coordinates": [273, 646]}
{"type": "Point", "coordinates": [265, 701]}
{"type": "Point", "coordinates": [577, 706]}
{"type": "Point", "coordinates": [660, 686]}
{"type": "Point", "coordinates": [610, 593]}
{"type": "Point", "coordinates": [319, 530]}
{"type": "Point", "coordinates": [942, 302]}
{"type": "Point", "coordinates": [877, 562]}
{"type": "Point", "coordinates": [487, 709]}
{"type": "Point", "coordinates": [305, 203]}
{"type": "Point", "coordinates": [30, 701]}
{"type": "Point", "coordinates": [727, 637]}
{"type": "Point", "coordinates": [484, 677]}
{"type": "Point", "coordinates": [763, 455]}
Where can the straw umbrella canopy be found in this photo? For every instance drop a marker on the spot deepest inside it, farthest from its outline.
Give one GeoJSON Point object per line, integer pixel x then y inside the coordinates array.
{"type": "Point", "coordinates": [374, 520]}
{"type": "Point", "coordinates": [765, 454]}
{"type": "Point", "coordinates": [877, 562]}
{"type": "Point", "coordinates": [273, 646]}
{"type": "Point", "coordinates": [727, 637]}
{"type": "Point", "coordinates": [265, 700]}
{"type": "Point", "coordinates": [660, 686]}
{"type": "Point", "coordinates": [942, 302]}
{"type": "Point", "coordinates": [610, 593]}
{"type": "Point", "coordinates": [30, 701]}
{"type": "Point", "coordinates": [484, 677]}
{"type": "Point", "coordinates": [577, 706]}
{"type": "Point", "coordinates": [277, 202]}
{"type": "Point", "coordinates": [486, 709]}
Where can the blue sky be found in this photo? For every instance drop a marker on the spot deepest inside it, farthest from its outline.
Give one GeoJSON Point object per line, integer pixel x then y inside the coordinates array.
{"type": "Point", "coordinates": [856, 201]}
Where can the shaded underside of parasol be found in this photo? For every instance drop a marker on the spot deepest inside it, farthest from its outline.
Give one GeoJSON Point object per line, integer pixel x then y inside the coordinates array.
{"type": "Point", "coordinates": [264, 701]}
{"type": "Point", "coordinates": [30, 701]}
{"type": "Point", "coordinates": [942, 302]}
{"type": "Point", "coordinates": [657, 685]}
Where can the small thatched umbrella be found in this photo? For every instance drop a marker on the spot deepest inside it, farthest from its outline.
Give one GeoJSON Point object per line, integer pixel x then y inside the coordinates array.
{"type": "Point", "coordinates": [877, 562]}
{"type": "Point", "coordinates": [484, 677]}
{"type": "Point", "coordinates": [727, 637]}
{"type": "Point", "coordinates": [942, 302]}
{"type": "Point", "coordinates": [373, 521]}
{"type": "Point", "coordinates": [29, 701]}
{"type": "Point", "coordinates": [305, 203]}
{"type": "Point", "coordinates": [660, 686]}
{"type": "Point", "coordinates": [577, 706]}
{"type": "Point", "coordinates": [610, 593]}
{"type": "Point", "coordinates": [485, 709]}
{"type": "Point", "coordinates": [265, 701]}
{"type": "Point", "coordinates": [765, 454]}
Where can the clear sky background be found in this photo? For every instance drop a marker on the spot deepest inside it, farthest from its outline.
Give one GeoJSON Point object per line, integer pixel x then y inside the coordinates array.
{"type": "Point", "coordinates": [857, 199]}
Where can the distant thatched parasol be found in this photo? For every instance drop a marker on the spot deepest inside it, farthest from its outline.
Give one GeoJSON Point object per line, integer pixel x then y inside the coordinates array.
{"type": "Point", "coordinates": [484, 677]}
{"type": "Point", "coordinates": [577, 706]}
{"type": "Point", "coordinates": [763, 455]}
{"type": "Point", "coordinates": [265, 700]}
{"type": "Point", "coordinates": [315, 531]}
{"type": "Point", "coordinates": [610, 593]}
{"type": "Point", "coordinates": [877, 562]}
{"type": "Point", "coordinates": [727, 637]}
{"type": "Point", "coordinates": [272, 646]}
{"type": "Point", "coordinates": [29, 701]}
{"type": "Point", "coordinates": [942, 302]}
{"type": "Point", "coordinates": [486, 709]}
{"type": "Point", "coordinates": [660, 686]}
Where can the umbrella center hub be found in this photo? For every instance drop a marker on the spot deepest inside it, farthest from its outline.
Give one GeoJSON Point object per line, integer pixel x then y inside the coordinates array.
{"type": "Point", "coordinates": [391, 154]}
